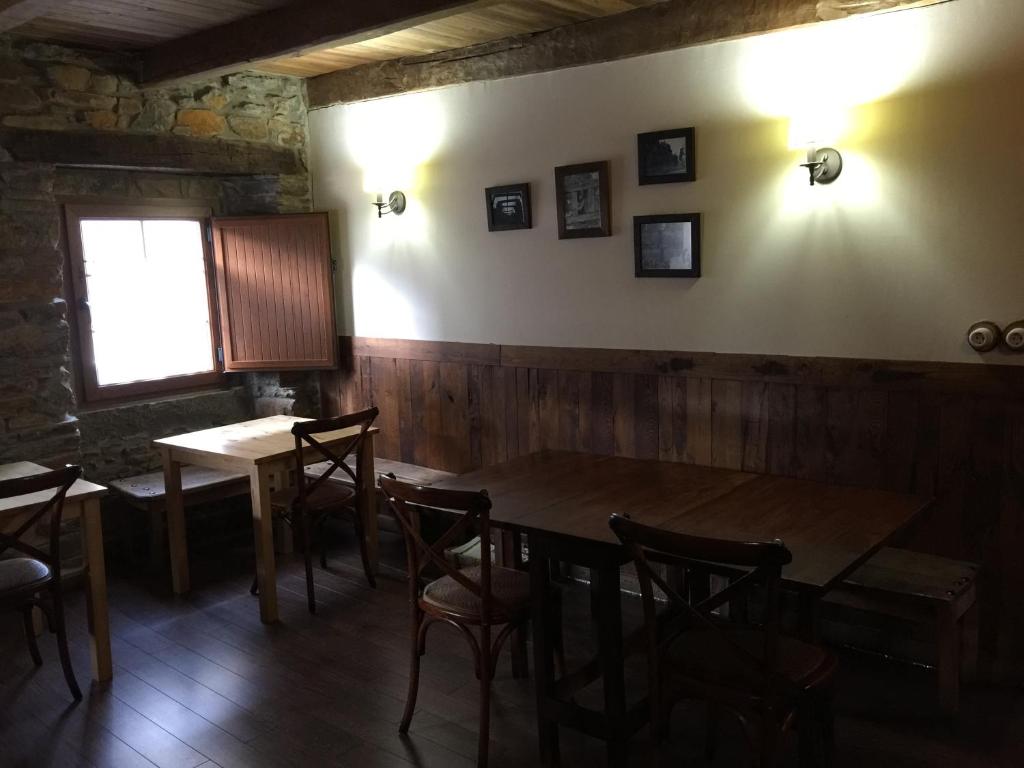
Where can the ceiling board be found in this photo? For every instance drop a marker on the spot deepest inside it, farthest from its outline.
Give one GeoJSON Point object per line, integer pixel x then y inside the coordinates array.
{"type": "Point", "coordinates": [505, 19]}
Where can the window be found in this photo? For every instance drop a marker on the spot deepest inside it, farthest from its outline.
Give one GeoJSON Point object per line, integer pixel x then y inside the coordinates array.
{"type": "Point", "coordinates": [141, 283]}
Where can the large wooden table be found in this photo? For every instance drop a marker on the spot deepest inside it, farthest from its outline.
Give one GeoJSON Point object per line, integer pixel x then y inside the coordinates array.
{"type": "Point", "coordinates": [264, 449]}
{"type": "Point", "coordinates": [83, 502]}
{"type": "Point", "coordinates": [562, 502]}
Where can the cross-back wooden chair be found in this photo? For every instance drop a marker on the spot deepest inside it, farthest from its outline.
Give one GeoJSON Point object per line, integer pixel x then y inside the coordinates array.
{"type": "Point", "coordinates": [768, 680]}
{"type": "Point", "coordinates": [34, 579]}
{"type": "Point", "coordinates": [483, 596]}
{"type": "Point", "coordinates": [314, 499]}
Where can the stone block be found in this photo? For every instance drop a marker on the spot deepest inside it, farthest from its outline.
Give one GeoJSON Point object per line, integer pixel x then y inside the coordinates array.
{"type": "Point", "coordinates": [104, 84]}
{"type": "Point", "coordinates": [52, 122]}
{"type": "Point", "coordinates": [70, 77]}
{"type": "Point", "coordinates": [129, 106]}
{"type": "Point", "coordinates": [249, 128]}
{"type": "Point", "coordinates": [157, 116]}
{"type": "Point", "coordinates": [18, 98]}
{"type": "Point", "coordinates": [82, 100]}
{"type": "Point", "coordinates": [14, 71]}
{"type": "Point", "coordinates": [102, 121]}
{"type": "Point", "coordinates": [201, 122]}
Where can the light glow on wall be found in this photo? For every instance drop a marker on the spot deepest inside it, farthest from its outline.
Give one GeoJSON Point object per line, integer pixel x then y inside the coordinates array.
{"type": "Point", "coordinates": [818, 77]}
{"type": "Point", "coordinates": [390, 313]}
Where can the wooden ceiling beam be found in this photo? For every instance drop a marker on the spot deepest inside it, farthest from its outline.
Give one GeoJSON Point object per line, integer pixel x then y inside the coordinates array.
{"type": "Point", "coordinates": [154, 152]}
{"type": "Point", "coordinates": [14, 13]}
{"type": "Point", "coordinates": [298, 28]}
{"type": "Point", "coordinates": [651, 29]}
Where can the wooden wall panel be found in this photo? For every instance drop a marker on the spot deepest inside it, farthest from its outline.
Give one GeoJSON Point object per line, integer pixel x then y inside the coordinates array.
{"type": "Point", "coordinates": [953, 431]}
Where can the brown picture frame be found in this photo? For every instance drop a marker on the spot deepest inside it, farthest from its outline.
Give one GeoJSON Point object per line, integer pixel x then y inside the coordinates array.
{"type": "Point", "coordinates": [588, 213]}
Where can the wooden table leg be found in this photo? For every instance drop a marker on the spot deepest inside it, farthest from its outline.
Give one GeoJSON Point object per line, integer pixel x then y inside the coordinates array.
{"type": "Point", "coordinates": [368, 501]}
{"type": "Point", "coordinates": [543, 658]}
{"type": "Point", "coordinates": [99, 618]}
{"type": "Point", "coordinates": [609, 604]}
{"type": "Point", "coordinates": [176, 538]}
{"type": "Point", "coordinates": [263, 530]}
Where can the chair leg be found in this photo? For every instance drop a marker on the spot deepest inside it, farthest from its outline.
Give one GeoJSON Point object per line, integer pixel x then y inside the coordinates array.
{"type": "Point", "coordinates": [255, 588]}
{"type": "Point", "coordinates": [771, 734]}
{"type": "Point", "coordinates": [62, 640]}
{"type": "Point", "coordinates": [414, 671]}
{"type": "Point", "coordinates": [483, 739]}
{"type": "Point", "coordinates": [307, 555]}
{"type": "Point", "coordinates": [322, 537]}
{"type": "Point", "coordinates": [363, 551]}
{"type": "Point", "coordinates": [30, 635]}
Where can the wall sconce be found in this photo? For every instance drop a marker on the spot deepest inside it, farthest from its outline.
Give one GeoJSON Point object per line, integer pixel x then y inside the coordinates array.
{"type": "Point", "coordinates": [824, 165]}
{"type": "Point", "coordinates": [395, 204]}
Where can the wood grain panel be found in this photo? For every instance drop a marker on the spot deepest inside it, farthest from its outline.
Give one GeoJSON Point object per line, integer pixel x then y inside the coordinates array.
{"type": "Point", "coordinates": [276, 292]}
{"type": "Point", "coordinates": [475, 405]}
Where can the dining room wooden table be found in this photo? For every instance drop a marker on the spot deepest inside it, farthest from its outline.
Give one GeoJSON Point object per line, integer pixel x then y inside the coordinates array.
{"type": "Point", "coordinates": [561, 501]}
{"type": "Point", "coordinates": [82, 502]}
{"type": "Point", "coordinates": [263, 449]}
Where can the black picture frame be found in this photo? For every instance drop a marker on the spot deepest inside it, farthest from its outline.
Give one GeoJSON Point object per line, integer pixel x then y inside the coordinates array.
{"type": "Point", "coordinates": [651, 263]}
{"type": "Point", "coordinates": [508, 207]}
{"type": "Point", "coordinates": [583, 198]}
{"type": "Point", "coordinates": [666, 157]}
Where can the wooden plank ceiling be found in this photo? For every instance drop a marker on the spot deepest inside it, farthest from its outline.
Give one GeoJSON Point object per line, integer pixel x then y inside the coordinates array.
{"type": "Point", "coordinates": [125, 25]}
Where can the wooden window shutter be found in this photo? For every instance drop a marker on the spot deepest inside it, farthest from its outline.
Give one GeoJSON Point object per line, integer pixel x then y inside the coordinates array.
{"type": "Point", "coordinates": [276, 290]}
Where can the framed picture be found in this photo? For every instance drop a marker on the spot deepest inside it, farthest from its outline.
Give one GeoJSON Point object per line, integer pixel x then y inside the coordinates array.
{"type": "Point", "coordinates": [508, 207]}
{"type": "Point", "coordinates": [581, 193]}
{"type": "Point", "coordinates": [666, 157]}
{"type": "Point", "coordinates": [667, 245]}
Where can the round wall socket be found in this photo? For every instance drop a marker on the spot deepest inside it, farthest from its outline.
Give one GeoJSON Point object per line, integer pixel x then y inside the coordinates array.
{"type": "Point", "coordinates": [983, 336]}
{"type": "Point", "coordinates": [1013, 336]}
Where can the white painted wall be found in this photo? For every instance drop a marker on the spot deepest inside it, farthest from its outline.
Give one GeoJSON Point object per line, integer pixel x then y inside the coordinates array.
{"type": "Point", "coordinates": [918, 238]}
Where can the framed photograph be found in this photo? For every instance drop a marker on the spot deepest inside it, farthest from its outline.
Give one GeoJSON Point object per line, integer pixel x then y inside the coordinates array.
{"type": "Point", "coordinates": [667, 245]}
{"type": "Point", "coordinates": [508, 207]}
{"type": "Point", "coordinates": [666, 157]}
{"type": "Point", "coordinates": [584, 203]}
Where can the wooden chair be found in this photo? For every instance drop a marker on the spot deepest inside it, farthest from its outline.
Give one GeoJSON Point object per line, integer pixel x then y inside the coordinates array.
{"type": "Point", "coordinates": [34, 580]}
{"type": "Point", "coordinates": [484, 596]}
{"type": "Point", "coordinates": [314, 499]}
{"type": "Point", "coordinates": [767, 680]}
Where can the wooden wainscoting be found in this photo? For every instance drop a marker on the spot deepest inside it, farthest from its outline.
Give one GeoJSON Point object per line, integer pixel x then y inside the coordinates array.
{"type": "Point", "coordinates": [952, 430]}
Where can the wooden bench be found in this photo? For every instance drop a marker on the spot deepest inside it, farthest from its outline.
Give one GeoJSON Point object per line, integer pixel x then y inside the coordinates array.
{"type": "Point", "coordinates": [199, 485]}
{"type": "Point", "coordinates": [921, 587]}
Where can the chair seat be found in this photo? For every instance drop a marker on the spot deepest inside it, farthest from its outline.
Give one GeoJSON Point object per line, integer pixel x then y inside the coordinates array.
{"type": "Point", "coordinates": [705, 656]}
{"type": "Point", "coordinates": [19, 574]}
{"type": "Point", "coordinates": [509, 586]}
{"type": "Point", "coordinates": [327, 496]}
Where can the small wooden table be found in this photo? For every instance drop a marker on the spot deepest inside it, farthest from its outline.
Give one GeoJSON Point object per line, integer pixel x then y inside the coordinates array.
{"type": "Point", "coordinates": [263, 449]}
{"type": "Point", "coordinates": [82, 501]}
{"type": "Point", "coordinates": [562, 502]}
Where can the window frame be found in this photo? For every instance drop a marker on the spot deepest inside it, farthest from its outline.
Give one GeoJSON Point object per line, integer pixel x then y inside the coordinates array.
{"type": "Point", "coordinates": [76, 293]}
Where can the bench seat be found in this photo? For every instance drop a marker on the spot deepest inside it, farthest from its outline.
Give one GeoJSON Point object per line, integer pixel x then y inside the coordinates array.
{"type": "Point", "coordinates": [149, 488]}
{"type": "Point", "coordinates": [922, 587]}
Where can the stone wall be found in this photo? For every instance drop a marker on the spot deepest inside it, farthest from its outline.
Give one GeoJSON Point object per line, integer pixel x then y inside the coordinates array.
{"type": "Point", "coordinates": [50, 87]}
{"type": "Point", "coordinates": [57, 88]}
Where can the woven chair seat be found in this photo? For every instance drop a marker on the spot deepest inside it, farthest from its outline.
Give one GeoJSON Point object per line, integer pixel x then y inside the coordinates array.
{"type": "Point", "coordinates": [22, 573]}
{"type": "Point", "coordinates": [509, 586]}
{"type": "Point", "coordinates": [327, 496]}
{"type": "Point", "coordinates": [704, 655]}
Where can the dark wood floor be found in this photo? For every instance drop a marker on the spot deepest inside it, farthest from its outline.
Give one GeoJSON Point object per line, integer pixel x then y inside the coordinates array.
{"type": "Point", "coordinates": [200, 682]}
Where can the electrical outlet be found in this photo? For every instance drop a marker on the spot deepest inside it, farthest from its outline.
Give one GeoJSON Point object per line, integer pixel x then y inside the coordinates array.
{"type": "Point", "coordinates": [1014, 336]}
{"type": "Point", "coordinates": [983, 336]}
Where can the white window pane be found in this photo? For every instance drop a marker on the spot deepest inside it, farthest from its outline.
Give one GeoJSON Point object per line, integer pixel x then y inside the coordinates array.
{"type": "Point", "coordinates": [148, 298]}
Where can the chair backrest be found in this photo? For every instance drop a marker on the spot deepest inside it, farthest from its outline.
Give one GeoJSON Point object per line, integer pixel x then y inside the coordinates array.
{"type": "Point", "coordinates": [58, 481]}
{"type": "Point", "coordinates": [760, 563]}
{"type": "Point", "coordinates": [306, 432]}
{"type": "Point", "coordinates": [472, 509]}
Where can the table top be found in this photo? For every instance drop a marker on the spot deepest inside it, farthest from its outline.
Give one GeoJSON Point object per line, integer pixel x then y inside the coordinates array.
{"type": "Point", "coordinates": [830, 529]}
{"type": "Point", "coordinates": [80, 491]}
{"type": "Point", "coordinates": [257, 441]}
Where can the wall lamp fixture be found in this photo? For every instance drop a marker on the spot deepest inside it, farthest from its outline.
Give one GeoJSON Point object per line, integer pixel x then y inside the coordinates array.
{"type": "Point", "coordinates": [395, 204]}
{"type": "Point", "coordinates": [824, 165]}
